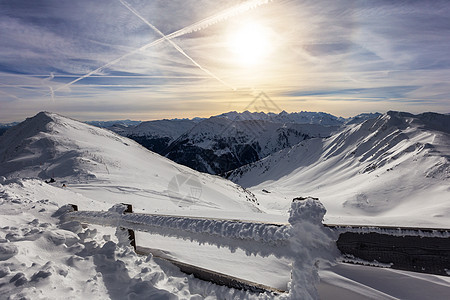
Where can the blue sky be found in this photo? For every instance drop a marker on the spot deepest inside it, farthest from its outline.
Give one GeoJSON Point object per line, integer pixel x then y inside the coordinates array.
{"type": "Point", "coordinates": [146, 60]}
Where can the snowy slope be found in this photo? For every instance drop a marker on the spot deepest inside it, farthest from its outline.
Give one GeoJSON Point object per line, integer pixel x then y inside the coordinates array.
{"type": "Point", "coordinates": [391, 170]}
{"type": "Point", "coordinates": [41, 258]}
{"type": "Point", "coordinates": [156, 135]}
{"type": "Point", "coordinates": [92, 159]}
{"type": "Point", "coordinates": [361, 118]}
{"type": "Point", "coordinates": [230, 140]}
{"type": "Point", "coordinates": [160, 128]}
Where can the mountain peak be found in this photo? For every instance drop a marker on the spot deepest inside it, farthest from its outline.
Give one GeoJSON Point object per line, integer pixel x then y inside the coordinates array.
{"type": "Point", "coordinates": [31, 126]}
{"type": "Point", "coordinates": [426, 121]}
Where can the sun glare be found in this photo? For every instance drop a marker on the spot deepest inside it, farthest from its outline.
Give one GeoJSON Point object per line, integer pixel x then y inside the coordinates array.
{"type": "Point", "coordinates": [249, 44]}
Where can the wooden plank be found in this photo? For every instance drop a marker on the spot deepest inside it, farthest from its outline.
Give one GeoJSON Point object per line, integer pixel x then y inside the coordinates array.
{"type": "Point", "coordinates": [209, 275]}
{"type": "Point", "coordinates": [411, 253]}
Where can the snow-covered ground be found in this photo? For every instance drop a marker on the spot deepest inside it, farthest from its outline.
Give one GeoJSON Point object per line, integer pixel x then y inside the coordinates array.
{"type": "Point", "coordinates": [41, 258]}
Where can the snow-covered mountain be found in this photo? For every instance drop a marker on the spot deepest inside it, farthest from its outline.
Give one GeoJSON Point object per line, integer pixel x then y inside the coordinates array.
{"type": "Point", "coordinates": [303, 117]}
{"type": "Point", "coordinates": [218, 144]}
{"type": "Point", "coordinates": [233, 139]}
{"type": "Point", "coordinates": [106, 124]}
{"type": "Point", "coordinates": [43, 257]}
{"type": "Point", "coordinates": [156, 135]}
{"type": "Point", "coordinates": [5, 126]}
{"type": "Point", "coordinates": [361, 118]}
{"type": "Point", "coordinates": [394, 169]}
{"type": "Point", "coordinates": [85, 157]}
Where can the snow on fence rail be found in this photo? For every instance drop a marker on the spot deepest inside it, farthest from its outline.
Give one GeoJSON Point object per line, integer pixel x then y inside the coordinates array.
{"type": "Point", "coordinates": [304, 240]}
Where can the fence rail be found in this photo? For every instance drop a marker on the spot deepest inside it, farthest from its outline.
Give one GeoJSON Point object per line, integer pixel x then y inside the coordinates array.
{"type": "Point", "coordinates": [255, 238]}
{"type": "Point", "coordinates": [414, 249]}
{"type": "Point", "coordinates": [423, 250]}
{"type": "Point", "coordinates": [232, 234]}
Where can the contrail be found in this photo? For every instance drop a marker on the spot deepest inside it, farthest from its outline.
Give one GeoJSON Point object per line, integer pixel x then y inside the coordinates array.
{"type": "Point", "coordinates": [10, 95]}
{"type": "Point", "coordinates": [21, 87]}
{"type": "Point", "coordinates": [178, 48]}
{"type": "Point", "coordinates": [52, 92]}
{"type": "Point", "coordinates": [224, 15]}
{"type": "Point", "coordinates": [118, 76]}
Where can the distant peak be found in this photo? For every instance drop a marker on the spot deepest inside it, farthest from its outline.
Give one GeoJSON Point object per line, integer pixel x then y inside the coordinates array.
{"type": "Point", "coordinates": [43, 116]}
{"type": "Point", "coordinates": [399, 114]}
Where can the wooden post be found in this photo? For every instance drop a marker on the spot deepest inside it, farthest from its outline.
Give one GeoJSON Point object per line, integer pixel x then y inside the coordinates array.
{"type": "Point", "coordinates": [131, 234]}
{"type": "Point", "coordinates": [312, 242]}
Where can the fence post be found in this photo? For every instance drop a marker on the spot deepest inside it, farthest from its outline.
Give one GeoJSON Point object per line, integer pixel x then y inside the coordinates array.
{"type": "Point", "coordinates": [74, 207]}
{"type": "Point", "coordinates": [131, 234]}
{"type": "Point", "coordinates": [311, 243]}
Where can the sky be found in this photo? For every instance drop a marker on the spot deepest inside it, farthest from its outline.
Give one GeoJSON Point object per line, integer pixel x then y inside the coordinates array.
{"type": "Point", "coordinates": [146, 60]}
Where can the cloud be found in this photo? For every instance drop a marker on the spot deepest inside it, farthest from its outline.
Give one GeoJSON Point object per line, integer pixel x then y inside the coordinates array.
{"type": "Point", "coordinates": [389, 53]}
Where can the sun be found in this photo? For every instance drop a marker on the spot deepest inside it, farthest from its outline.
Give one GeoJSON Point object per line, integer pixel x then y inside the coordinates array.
{"type": "Point", "coordinates": [249, 44]}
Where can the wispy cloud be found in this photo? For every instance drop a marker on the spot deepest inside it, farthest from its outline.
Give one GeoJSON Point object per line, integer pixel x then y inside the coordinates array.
{"type": "Point", "coordinates": [377, 55]}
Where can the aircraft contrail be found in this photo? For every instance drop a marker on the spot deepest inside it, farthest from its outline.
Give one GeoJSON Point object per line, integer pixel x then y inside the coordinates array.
{"type": "Point", "coordinates": [10, 95]}
{"type": "Point", "coordinates": [178, 48]}
{"type": "Point", "coordinates": [52, 92]}
{"type": "Point", "coordinates": [21, 87]}
{"type": "Point", "coordinates": [225, 14]}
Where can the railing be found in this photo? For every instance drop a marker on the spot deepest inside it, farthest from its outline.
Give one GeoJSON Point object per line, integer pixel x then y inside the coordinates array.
{"type": "Point", "coordinates": [304, 240]}
{"type": "Point", "coordinates": [423, 250]}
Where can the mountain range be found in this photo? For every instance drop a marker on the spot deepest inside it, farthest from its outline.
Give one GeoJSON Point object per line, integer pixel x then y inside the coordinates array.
{"type": "Point", "coordinates": [395, 167]}
{"type": "Point", "coordinates": [89, 158]}
{"type": "Point", "coordinates": [392, 169]}
{"type": "Point", "coordinates": [225, 142]}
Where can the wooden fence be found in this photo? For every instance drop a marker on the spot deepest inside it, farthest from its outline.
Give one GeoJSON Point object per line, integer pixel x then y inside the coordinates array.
{"type": "Point", "coordinates": [412, 249]}
{"type": "Point", "coordinates": [424, 250]}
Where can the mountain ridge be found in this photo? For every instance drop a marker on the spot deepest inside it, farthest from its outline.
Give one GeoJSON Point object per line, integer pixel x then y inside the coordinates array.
{"type": "Point", "coordinates": [89, 159]}
{"type": "Point", "coordinates": [380, 167]}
